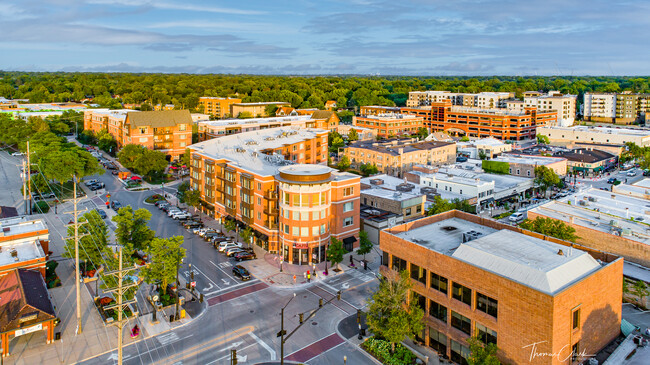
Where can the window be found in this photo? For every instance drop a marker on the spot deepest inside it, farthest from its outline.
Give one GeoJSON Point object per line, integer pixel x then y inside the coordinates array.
{"type": "Point", "coordinates": [304, 216]}
{"type": "Point", "coordinates": [384, 258]}
{"type": "Point", "coordinates": [418, 209]}
{"type": "Point", "coordinates": [295, 231]}
{"type": "Point", "coordinates": [182, 127]}
{"type": "Point", "coordinates": [296, 215]}
{"type": "Point", "coordinates": [461, 322]}
{"type": "Point", "coordinates": [259, 186]}
{"type": "Point", "coordinates": [486, 304]}
{"type": "Point", "coordinates": [259, 215]}
{"type": "Point", "coordinates": [438, 282]}
{"type": "Point", "coordinates": [144, 139]}
{"type": "Point", "coordinates": [296, 200]}
{"type": "Point", "coordinates": [304, 231]}
{"type": "Point", "coordinates": [143, 131]}
{"type": "Point", "coordinates": [314, 231]}
{"type": "Point", "coordinates": [322, 229]}
{"type": "Point", "coordinates": [459, 353]}
{"type": "Point", "coordinates": [421, 300]}
{"type": "Point", "coordinates": [419, 274]}
{"type": "Point", "coordinates": [437, 311]}
{"type": "Point", "coordinates": [286, 228]}
{"type": "Point", "coordinates": [398, 264]}
{"type": "Point", "coordinates": [408, 211]}
{"type": "Point", "coordinates": [348, 221]}
{"type": "Point", "coordinates": [461, 293]}
{"type": "Point", "coordinates": [347, 207]}
{"type": "Point", "coordinates": [485, 334]}
{"type": "Point", "coordinates": [348, 191]}
{"type": "Point", "coordinates": [575, 319]}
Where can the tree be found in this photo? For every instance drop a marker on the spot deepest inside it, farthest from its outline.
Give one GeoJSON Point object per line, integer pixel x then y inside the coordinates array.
{"type": "Point", "coordinates": [335, 251]}
{"type": "Point", "coordinates": [270, 110]}
{"type": "Point", "coordinates": [230, 225]}
{"type": "Point", "coordinates": [246, 235]}
{"type": "Point", "coordinates": [185, 157]}
{"type": "Point", "coordinates": [640, 289]}
{"type": "Point", "coordinates": [244, 115]}
{"type": "Point", "coordinates": [106, 142]}
{"type": "Point", "coordinates": [344, 163]}
{"type": "Point", "coordinates": [464, 139]}
{"type": "Point", "coordinates": [482, 155]}
{"type": "Point", "coordinates": [389, 314]}
{"type": "Point", "coordinates": [353, 135]}
{"type": "Point", "coordinates": [131, 229]}
{"type": "Point", "coordinates": [151, 163]}
{"type": "Point", "coordinates": [481, 354]}
{"type": "Point", "coordinates": [546, 177]}
{"type": "Point", "coordinates": [542, 139]}
{"type": "Point", "coordinates": [440, 205]}
{"type": "Point", "coordinates": [368, 169]}
{"type": "Point", "coordinates": [423, 133]}
{"type": "Point", "coordinates": [165, 255]}
{"type": "Point", "coordinates": [192, 198]}
{"type": "Point", "coordinates": [550, 227]}
{"type": "Point", "coordinates": [129, 154]}
{"type": "Point", "coordinates": [93, 244]}
{"type": "Point", "coordinates": [365, 245]}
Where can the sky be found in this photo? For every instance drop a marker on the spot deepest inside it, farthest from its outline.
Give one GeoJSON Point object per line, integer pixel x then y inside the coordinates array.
{"type": "Point", "coordinates": [305, 37]}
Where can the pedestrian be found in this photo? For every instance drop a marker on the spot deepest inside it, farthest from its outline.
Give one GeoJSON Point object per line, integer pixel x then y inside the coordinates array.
{"type": "Point", "coordinates": [304, 275]}
{"type": "Point", "coordinates": [294, 278]}
{"type": "Point", "coordinates": [308, 277]}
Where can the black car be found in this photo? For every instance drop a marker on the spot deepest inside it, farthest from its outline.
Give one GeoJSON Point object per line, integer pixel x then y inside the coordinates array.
{"type": "Point", "coordinates": [211, 235]}
{"type": "Point", "coordinates": [192, 224]}
{"type": "Point", "coordinates": [116, 205]}
{"type": "Point", "coordinates": [241, 272]}
{"type": "Point", "coordinates": [219, 239]}
{"type": "Point", "coordinates": [101, 213]}
{"type": "Point", "coordinates": [96, 186]}
{"type": "Point", "coordinates": [244, 255]}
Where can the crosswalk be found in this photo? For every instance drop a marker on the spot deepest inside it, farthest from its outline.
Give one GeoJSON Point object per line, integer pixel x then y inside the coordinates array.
{"type": "Point", "coordinates": [360, 275]}
{"type": "Point", "coordinates": [167, 338]}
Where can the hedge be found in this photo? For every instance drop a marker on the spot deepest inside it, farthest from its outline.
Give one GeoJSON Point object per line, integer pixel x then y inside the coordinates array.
{"type": "Point", "coordinates": [497, 167]}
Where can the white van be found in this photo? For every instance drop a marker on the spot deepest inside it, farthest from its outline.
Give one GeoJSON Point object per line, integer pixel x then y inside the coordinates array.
{"type": "Point", "coordinates": [517, 217]}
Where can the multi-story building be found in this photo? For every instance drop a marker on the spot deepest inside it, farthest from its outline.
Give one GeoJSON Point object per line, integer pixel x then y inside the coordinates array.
{"type": "Point", "coordinates": [218, 128]}
{"type": "Point", "coordinates": [423, 98]}
{"type": "Point", "coordinates": [364, 134]}
{"type": "Point", "coordinates": [564, 105]}
{"type": "Point", "coordinates": [159, 107]}
{"type": "Point", "coordinates": [378, 110]}
{"type": "Point", "coordinates": [489, 147]}
{"type": "Point", "coordinates": [216, 106]}
{"type": "Point", "coordinates": [492, 100]}
{"type": "Point", "coordinates": [483, 123]}
{"type": "Point", "coordinates": [609, 221]}
{"type": "Point", "coordinates": [588, 160]}
{"type": "Point", "coordinates": [24, 244]}
{"type": "Point", "coordinates": [599, 107]}
{"type": "Point", "coordinates": [168, 131]}
{"type": "Point", "coordinates": [524, 165]}
{"type": "Point", "coordinates": [254, 110]}
{"type": "Point", "coordinates": [408, 204]}
{"type": "Point", "coordinates": [395, 157]}
{"type": "Point", "coordinates": [539, 299]}
{"type": "Point", "coordinates": [483, 100]}
{"type": "Point", "coordinates": [390, 125]}
{"type": "Point", "coordinates": [276, 182]}
{"type": "Point", "coordinates": [563, 136]}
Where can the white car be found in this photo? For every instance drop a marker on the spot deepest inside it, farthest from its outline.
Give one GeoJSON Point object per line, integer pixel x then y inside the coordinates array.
{"type": "Point", "coordinates": [517, 217]}
{"type": "Point", "coordinates": [631, 173]}
{"type": "Point", "coordinates": [17, 154]}
{"type": "Point", "coordinates": [181, 215]}
{"type": "Point", "coordinates": [173, 211]}
{"type": "Point", "coordinates": [228, 244]}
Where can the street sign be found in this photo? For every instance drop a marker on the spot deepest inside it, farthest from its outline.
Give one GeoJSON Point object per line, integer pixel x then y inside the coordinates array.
{"type": "Point", "coordinates": [155, 298]}
{"type": "Point", "coordinates": [283, 332]}
{"type": "Point", "coordinates": [193, 284]}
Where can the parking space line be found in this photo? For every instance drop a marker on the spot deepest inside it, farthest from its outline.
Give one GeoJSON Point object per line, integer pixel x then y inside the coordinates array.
{"type": "Point", "coordinates": [205, 276]}
{"type": "Point", "coordinates": [220, 269]}
{"type": "Point", "coordinates": [231, 287]}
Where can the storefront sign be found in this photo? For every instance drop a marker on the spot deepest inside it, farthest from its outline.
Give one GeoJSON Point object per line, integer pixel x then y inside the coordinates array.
{"type": "Point", "coordinates": [28, 317]}
{"type": "Point", "coordinates": [300, 245]}
{"type": "Point", "coordinates": [25, 331]}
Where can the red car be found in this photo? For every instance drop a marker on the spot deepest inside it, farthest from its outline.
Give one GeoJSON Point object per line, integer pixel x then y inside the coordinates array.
{"type": "Point", "coordinates": [241, 256]}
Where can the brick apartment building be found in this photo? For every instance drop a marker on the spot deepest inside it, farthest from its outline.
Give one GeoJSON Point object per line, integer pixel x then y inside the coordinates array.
{"type": "Point", "coordinates": [396, 157]}
{"type": "Point", "coordinates": [276, 182]}
{"type": "Point", "coordinates": [216, 106]}
{"type": "Point", "coordinates": [167, 131]}
{"type": "Point", "coordinates": [482, 123]}
{"type": "Point", "coordinates": [255, 110]}
{"type": "Point", "coordinates": [390, 125]}
{"type": "Point", "coordinates": [519, 289]}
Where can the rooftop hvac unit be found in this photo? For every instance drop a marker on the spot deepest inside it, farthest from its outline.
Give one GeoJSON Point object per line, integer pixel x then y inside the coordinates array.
{"type": "Point", "coordinates": [405, 187]}
{"type": "Point", "coordinates": [626, 232]}
{"type": "Point", "coordinates": [376, 182]}
{"type": "Point", "coordinates": [471, 235]}
{"type": "Point", "coordinates": [613, 223]}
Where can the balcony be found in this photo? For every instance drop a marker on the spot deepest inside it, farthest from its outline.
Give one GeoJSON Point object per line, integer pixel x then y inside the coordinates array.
{"type": "Point", "coordinates": [163, 146]}
{"type": "Point", "coordinates": [271, 195]}
{"type": "Point", "coordinates": [271, 211]}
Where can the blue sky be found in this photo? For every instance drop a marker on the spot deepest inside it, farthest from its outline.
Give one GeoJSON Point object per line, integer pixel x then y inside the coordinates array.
{"type": "Point", "coordinates": [404, 37]}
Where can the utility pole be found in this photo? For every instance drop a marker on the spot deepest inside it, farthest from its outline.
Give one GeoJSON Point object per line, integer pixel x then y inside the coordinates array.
{"type": "Point", "coordinates": [29, 180]}
{"type": "Point", "coordinates": [120, 289]}
{"type": "Point", "coordinates": [25, 186]}
{"type": "Point", "coordinates": [76, 238]}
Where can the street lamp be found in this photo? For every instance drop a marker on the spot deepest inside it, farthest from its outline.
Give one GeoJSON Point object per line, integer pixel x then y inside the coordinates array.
{"type": "Point", "coordinates": [326, 272]}
{"type": "Point", "coordinates": [282, 331]}
{"type": "Point", "coordinates": [345, 359]}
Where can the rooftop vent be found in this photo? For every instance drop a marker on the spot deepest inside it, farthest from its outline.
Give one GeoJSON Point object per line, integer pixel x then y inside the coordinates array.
{"type": "Point", "coordinates": [560, 252]}
{"type": "Point", "coordinates": [405, 187]}
{"type": "Point", "coordinates": [269, 139]}
{"type": "Point", "coordinates": [471, 235]}
{"type": "Point", "coordinates": [251, 142]}
{"type": "Point", "coordinates": [14, 253]}
{"type": "Point", "coordinates": [376, 182]}
{"type": "Point", "coordinates": [240, 150]}
{"type": "Point", "coordinates": [448, 228]}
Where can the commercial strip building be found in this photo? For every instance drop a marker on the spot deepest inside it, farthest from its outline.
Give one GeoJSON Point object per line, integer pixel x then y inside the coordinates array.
{"type": "Point", "coordinates": [276, 182]}
{"type": "Point", "coordinates": [524, 165]}
{"type": "Point", "coordinates": [396, 157]}
{"type": "Point", "coordinates": [588, 160]}
{"type": "Point", "coordinates": [523, 291]}
{"type": "Point", "coordinates": [390, 125]}
{"type": "Point", "coordinates": [216, 106]}
{"type": "Point", "coordinates": [167, 131]}
{"type": "Point", "coordinates": [254, 110]}
{"type": "Point", "coordinates": [363, 134]}
{"type": "Point", "coordinates": [619, 108]}
{"type": "Point", "coordinates": [374, 220]}
{"type": "Point", "coordinates": [563, 136]}
{"type": "Point", "coordinates": [402, 201]}
{"type": "Point", "coordinates": [606, 221]}
{"type": "Point", "coordinates": [490, 147]}
{"type": "Point", "coordinates": [639, 189]}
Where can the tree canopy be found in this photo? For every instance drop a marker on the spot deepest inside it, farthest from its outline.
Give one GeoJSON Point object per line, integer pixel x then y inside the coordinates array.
{"type": "Point", "coordinates": [166, 254]}
{"type": "Point", "coordinates": [132, 231]}
{"type": "Point", "coordinates": [550, 227]}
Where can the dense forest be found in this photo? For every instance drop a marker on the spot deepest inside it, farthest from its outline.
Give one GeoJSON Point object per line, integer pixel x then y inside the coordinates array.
{"type": "Point", "coordinates": [183, 90]}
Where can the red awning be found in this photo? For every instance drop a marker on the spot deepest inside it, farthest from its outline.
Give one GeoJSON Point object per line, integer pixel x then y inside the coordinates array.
{"type": "Point", "coordinates": [173, 167]}
{"type": "Point", "coordinates": [136, 178]}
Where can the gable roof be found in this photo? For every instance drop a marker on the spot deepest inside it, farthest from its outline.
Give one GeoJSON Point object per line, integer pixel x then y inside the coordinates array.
{"type": "Point", "coordinates": [322, 114]}
{"type": "Point", "coordinates": [23, 292]}
{"type": "Point", "coordinates": [159, 118]}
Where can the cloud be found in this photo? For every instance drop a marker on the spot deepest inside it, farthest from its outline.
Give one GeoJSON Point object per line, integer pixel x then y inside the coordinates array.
{"type": "Point", "coordinates": [183, 6]}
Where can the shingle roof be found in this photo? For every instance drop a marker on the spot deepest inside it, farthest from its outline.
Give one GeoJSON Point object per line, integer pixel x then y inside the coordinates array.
{"type": "Point", "coordinates": [322, 114]}
{"type": "Point", "coordinates": [23, 293]}
{"type": "Point", "coordinates": [160, 118]}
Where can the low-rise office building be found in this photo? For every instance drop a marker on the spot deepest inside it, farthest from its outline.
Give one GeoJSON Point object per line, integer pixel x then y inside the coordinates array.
{"type": "Point", "coordinates": [368, 110]}
{"type": "Point", "coordinates": [167, 131]}
{"type": "Point", "coordinates": [254, 110]}
{"type": "Point", "coordinates": [390, 125]}
{"type": "Point", "coordinates": [408, 204]}
{"type": "Point", "coordinates": [374, 220]}
{"type": "Point", "coordinates": [607, 221]}
{"type": "Point", "coordinates": [588, 160]}
{"type": "Point", "coordinates": [487, 147]}
{"type": "Point", "coordinates": [396, 157]}
{"type": "Point", "coordinates": [525, 292]}
{"type": "Point", "coordinates": [276, 182]}
{"type": "Point", "coordinates": [562, 136]}
{"type": "Point", "coordinates": [524, 165]}
{"type": "Point", "coordinates": [216, 106]}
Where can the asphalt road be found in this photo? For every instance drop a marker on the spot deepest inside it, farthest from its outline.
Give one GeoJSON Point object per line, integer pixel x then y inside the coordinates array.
{"type": "Point", "coordinates": [241, 315]}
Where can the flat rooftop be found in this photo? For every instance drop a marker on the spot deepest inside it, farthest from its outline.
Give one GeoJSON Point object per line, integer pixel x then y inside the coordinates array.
{"type": "Point", "coordinates": [24, 251]}
{"type": "Point", "coordinates": [483, 142]}
{"type": "Point", "coordinates": [375, 214]}
{"type": "Point", "coordinates": [390, 117]}
{"type": "Point", "coordinates": [392, 195]}
{"type": "Point", "coordinates": [501, 182]}
{"type": "Point", "coordinates": [524, 259]}
{"type": "Point", "coordinates": [393, 147]}
{"type": "Point", "coordinates": [262, 103]}
{"type": "Point", "coordinates": [603, 130]}
{"type": "Point", "coordinates": [20, 225]}
{"type": "Point", "coordinates": [245, 149]}
{"type": "Point", "coordinates": [528, 159]}
{"type": "Point", "coordinates": [253, 121]}
{"type": "Point", "coordinates": [117, 113]}
{"type": "Point", "coordinates": [390, 184]}
{"type": "Point", "coordinates": [477, 110]}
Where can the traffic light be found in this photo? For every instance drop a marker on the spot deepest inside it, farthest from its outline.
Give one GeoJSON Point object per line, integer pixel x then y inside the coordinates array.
{"type": "Point", "coordinates": [233, 356]}
{"type": "Point", "coordinates": [338, 295]}
{"type": "Point", "coordinates": [358, 315]}
{"type": "Point", "coordinates": [300, 315]}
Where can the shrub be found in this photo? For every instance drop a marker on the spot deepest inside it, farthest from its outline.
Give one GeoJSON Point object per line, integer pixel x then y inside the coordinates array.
{"type": "Point", "coordinates": [380, 349]}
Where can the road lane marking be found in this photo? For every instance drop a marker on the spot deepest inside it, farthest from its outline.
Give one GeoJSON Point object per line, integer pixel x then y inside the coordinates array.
{"type": "Point", "coordinates": [239, 358]}
{"type": "Point", "coordinates": [220, 269]}
{"type": "Point", "coordinates": [218, 341]}
{"type": "Point", "coordinates": [205, 276]}
{"type": "Point", "coordinates": [231, 287]}
{"type": "Point", "coordinates": [263, 344]}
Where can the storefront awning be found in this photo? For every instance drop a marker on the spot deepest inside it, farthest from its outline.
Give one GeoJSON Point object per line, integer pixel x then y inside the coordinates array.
{"type": "Point", "coordinates": [349, 240]}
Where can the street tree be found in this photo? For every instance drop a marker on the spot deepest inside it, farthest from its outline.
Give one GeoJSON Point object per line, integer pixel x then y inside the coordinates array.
{"type": "Point", "coordinates": [93, 244]}
{"type": "Point", "coordinates": [344, 163]}
{"type": "Point", "coordinates": [640, 290]}
{"type": "Point", "coordinates": [192, 198]}
{"type": "Point", "coordinates": [129, 154]}
{"type": "Point", "coordinates": [353, 135]}
{"type": "Point", "coordinates": [185, 157]}
{"type": "Point", "coordinates": [165, 256]}
{"type": "Point", "coordinates": [230, 225]}
{"type": "Point", "coordinates": [132, 231]}
{"type": "Point", "coordinates": [365, 245]}
{"type": "Point", "coordinates": [546, 178]}
{"type": "Point", "coordinates": [246, 235]}
{"type": "Point", "coordinates": [151, 163]}
{"type": "Point", "coordinates": [390, 314]}
{"type": "Point", "coordinates": [542, 139]}
{"type": "Point", "coordinates": [106, 142]}
{"type": "Point", "coordinates": [335, 252]}
{"type": "Point", "coordinates": [482, 354]}
{"type": "Point", "coordinates": [550, 227]}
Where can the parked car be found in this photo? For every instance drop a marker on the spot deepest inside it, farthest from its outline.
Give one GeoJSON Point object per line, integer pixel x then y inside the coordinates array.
{"type": "Point", "coordinates": [173, 211]}
{"type": "Point", "coordinates": [192, 225]}
{"type": "Point", "coordinates": [241, 256]}
{"type": "Point", "coordinates": [90, 182]}
{"type": "Point", "coordinates": [517, 217]}
{"type": "Point", "coordinates": [631, 173]}
{"type": "Point", "coordinates": [161, 205]}
{"type": "Point", "coordinates": [101, 213]}
{"type": "Point", "coordinates": [96, 186]}
{"type": "Point", "coordinates": [461, 159]}
{"type": "Point", "coordinates": [160, 202]}
{"type": "Point", "coordinates": [241, 272]}
{"type": "Point", "coordinates": [167, 207]}
{"type": "Point", "coordinates": [209, 236]}
{"type": "Point", "coordinates": [232, 251]}
{"type": "Point", "coordinates": [611, 180]}
{"type": "Point", "coordinates": [116, 205]}
{"type": "Point", "coordinates": [111, 166]}
{"type": "Point", "coordinates": [17, 154]}
{"type": "Point", "coordinates": [646, 172]}
{"type": "Point", "coordinates": [181, 215]}
{"type": "Point", "coordinates": [205, 231]}
{"type": "Point", "coordinates": [115, 172]}
{"type": "Point", "coordinates": [219, 239]}
{"type": "Point", "coordinates": [228, 244]}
